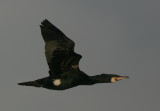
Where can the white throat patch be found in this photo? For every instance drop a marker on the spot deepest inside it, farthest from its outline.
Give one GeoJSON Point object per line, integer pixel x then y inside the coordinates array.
{"type": "Point", "coordinates": [113, 80]}
{"type": "Point", "coordinates": [57, 82]}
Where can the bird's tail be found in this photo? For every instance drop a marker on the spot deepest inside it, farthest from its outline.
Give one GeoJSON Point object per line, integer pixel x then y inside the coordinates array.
{"type": "Point", "coordinates": [30, 83]}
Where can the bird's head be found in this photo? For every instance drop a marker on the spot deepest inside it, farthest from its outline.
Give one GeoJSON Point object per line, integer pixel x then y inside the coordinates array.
{"type": "Point", "coordinates": [114, 78]}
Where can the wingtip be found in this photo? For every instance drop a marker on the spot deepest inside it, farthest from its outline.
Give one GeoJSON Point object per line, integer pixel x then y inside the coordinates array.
{"type": "Point", "coordinates": [45, 20]}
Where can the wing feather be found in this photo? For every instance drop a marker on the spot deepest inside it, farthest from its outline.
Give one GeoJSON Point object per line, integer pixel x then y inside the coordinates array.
{"type": "Point", "coordinates": [59, 49]}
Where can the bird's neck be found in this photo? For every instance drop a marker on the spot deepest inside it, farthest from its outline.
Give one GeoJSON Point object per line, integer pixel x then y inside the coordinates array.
{"type": "Point", "coordinates": [102, 78]}
{"type": "Point", "coordinates": [90, 80]}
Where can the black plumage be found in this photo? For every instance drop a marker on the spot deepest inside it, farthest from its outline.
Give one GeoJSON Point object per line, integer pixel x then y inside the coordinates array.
{"type": "Point", "coordinates": [63, 63]}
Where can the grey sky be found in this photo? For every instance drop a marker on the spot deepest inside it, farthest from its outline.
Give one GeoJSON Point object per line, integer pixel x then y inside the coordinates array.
{"type": "Point", "coordinates": [113, 36]}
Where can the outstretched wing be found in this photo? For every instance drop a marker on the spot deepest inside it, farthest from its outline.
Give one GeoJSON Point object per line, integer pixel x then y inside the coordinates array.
{"type": "Point", "coordinates": [59, 49]}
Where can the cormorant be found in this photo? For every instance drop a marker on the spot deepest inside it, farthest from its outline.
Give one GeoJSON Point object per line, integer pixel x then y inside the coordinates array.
{"type": "Point", "coordinates": [63, 63]}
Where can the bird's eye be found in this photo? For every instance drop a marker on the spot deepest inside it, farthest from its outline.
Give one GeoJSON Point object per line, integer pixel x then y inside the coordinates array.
{"type": "Point", "coordinates": [116, 78]}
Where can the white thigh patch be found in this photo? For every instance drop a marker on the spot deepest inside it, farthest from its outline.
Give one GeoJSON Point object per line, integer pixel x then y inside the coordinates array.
{"type": "Point", "coordinates": [57, 82]}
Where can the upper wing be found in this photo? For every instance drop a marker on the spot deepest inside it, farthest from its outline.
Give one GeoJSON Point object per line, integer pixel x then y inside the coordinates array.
{"type": "Point", "coordinates": [59, 49]}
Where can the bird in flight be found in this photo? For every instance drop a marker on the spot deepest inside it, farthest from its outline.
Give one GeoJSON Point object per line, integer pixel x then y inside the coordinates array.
{"type": "Point", "coordinates": [63, 62]}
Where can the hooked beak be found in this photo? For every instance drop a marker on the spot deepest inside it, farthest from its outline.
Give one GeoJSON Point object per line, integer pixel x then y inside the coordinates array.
{"type": "Point", "coordinates": [122, 77]}
{"type": "Point", "coordinates": [114, 79]}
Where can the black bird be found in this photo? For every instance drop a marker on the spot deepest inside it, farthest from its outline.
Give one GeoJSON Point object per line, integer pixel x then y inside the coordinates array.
{"type": "Point", "coordinates": [63, 63]}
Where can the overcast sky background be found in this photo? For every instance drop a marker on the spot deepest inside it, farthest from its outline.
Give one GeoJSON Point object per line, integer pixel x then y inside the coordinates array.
{"type": "Point", "coordinates": [113, 36]}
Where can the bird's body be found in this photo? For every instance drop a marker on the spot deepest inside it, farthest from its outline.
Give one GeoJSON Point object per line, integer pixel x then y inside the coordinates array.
{"type": "Point", "coordinates": [67, 80]}
{"type": "Point", "coordinates": [63, 62]}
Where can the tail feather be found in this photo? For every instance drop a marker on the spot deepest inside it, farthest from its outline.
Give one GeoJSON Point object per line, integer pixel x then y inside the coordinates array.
{"type": "Point", "coordinates": [30, 83]}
